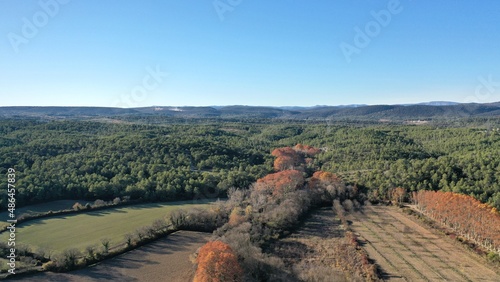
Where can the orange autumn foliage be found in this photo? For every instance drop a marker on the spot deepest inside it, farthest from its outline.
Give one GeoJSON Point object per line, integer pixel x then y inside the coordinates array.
{"type": "Point", "coordinates": [286, 158]}
{"type": "Point", "coordinates": [464, 214]}
{"type": "Point", "coordinates": [284, 163]}
{"type": "Point", "coordinates": [322, 177]}
{"type": "Point", "coordinates": [292, 158]}
{"type": "Point", "coordinates": [307, 150]}
{"type": "Point", "coordinates": [217, 262]}
{"type": "Point", "coordinates": [281, 182]}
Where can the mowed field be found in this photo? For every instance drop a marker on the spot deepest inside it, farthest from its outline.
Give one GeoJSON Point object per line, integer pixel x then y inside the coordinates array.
{"type": "Point", "coordinates": [407, 251]}
{"type": "Point", "coordinates": [164, 260]}
{"type": "Point", "coordinates": [81, 230]}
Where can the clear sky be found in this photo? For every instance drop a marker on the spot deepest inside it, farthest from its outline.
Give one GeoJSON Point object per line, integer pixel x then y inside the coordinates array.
{"type": "Point", "coordinates": [247, 52]}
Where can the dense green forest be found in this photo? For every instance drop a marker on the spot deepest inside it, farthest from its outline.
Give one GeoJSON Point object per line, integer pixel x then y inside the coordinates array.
{"type": "Point", "coordinates": [161, 158]}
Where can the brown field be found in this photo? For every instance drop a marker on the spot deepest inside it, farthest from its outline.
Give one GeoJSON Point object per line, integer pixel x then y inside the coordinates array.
{"type": "Point", "coordinates": [310, 251]}
{"type": "Point", "coordinates": [164, 260]}
{"type": "Point", "coordinates": [406, 251]}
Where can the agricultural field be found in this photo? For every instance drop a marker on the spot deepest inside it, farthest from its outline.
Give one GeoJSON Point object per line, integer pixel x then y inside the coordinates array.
{"type": "Point", "coordinates": [81, 230]}
{"type": "Point", "coordinates": [164, 260]}
{"type": "Point", "coordinates": [404, 250]}
{"type": "Point", "coordinates": [310, 250]}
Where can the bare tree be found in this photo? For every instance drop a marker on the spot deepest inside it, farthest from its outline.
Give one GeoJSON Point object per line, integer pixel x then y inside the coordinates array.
{"type": "Point", "coordinates": [44, 253]}
{"type": "Point", "coordinates": [150, 231]}
{"type": "Point", "coordinates": [105, 245]}
{"type": "Point", "coordinates": [141, 233]}
{"type": "Point", "coordinates": [160, 226]}
{"type": "Point", "coordinates": [90, 250]}
{"type": "Point", "coordinates": [177, 218]}
{"type": "Point", "coordinates": [129, 238]}
{"type": "Point", "coordinates": [69, 258]}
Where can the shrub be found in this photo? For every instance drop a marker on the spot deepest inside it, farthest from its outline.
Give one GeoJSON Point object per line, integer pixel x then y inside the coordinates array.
{"type": "Point", "coordinates": [493, 257]}
{"type": "Point", "coordinates": [68, 258]}
{"type": "Point", "coordinates": [49, 266]}
{"type": "Point", "coordinates": [90, 250]}
{"type": "Point", "coordinates": [99, 203]}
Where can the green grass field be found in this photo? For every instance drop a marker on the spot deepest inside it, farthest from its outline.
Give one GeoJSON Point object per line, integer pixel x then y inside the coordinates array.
{"type": "Point", "coordinates": [81, 230]}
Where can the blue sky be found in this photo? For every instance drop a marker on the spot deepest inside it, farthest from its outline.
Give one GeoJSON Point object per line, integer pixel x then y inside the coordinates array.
{"type": "Point", "coordinates": [242, 52]}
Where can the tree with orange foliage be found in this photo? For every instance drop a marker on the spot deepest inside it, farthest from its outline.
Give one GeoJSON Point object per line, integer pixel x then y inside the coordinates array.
{"type": "Point", "coordinates": [283, 163]}
{"type": "Point", "coordinates": [293, 158]}
{"type": "Point", "coordinates": [217, 262]}
{"type": "Point", "coordinates": [282, 182]}
{"type": "Point", "coordinates": [322, 178]}
{"type": "Point", "coordinates": [307, 150]}
{"type": "Point", "coordinates": [286, 158]}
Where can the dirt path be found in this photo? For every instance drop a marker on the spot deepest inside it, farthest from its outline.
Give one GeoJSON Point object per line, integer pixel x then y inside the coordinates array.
{"type": "Point", "coordinates": [163, 260]}
{"type": "Point", "coordinates": [407, 251]}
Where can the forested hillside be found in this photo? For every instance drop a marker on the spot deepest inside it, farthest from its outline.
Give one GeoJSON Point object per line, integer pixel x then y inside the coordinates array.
{"type": "Point", "coordinates": [425, 111]}
{"type": "Point", "coordinates": [171, 159]}
{"type": "Point", "coordinates": [91, 160]}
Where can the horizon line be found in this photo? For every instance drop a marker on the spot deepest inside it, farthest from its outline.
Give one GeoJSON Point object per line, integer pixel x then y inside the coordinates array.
{"type": "Point", "coordinates": [447, 103]}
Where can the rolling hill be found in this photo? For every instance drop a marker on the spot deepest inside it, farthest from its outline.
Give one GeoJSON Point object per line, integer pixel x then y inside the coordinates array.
{"type": "Point", "coordinates": [423, 111]}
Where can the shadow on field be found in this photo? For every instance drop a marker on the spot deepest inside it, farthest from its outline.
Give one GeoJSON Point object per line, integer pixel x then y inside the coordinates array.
{"type": "Point", "coordinates": [105, 212]}
{"type": "Point", "coordinates": [141, 262]}
{"type": "Point", "coordinates": [138, 258]}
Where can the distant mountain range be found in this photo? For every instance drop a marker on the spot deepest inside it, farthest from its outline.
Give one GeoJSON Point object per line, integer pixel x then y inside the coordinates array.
{"type": "Point", "coordinates": [422, 111]}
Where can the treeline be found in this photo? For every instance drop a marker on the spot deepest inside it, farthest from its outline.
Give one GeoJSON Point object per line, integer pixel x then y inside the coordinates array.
{"type": "Point", "coordinates": [271, 208]}
{"type": "Point", "coordinates": [465, 215]}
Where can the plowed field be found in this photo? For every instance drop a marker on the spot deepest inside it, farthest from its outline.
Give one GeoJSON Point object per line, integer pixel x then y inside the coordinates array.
{"type": "Point", "coordinates": [407, 251]}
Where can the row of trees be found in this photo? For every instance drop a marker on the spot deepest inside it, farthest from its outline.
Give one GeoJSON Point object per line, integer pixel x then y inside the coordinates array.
{"type": "Point", "coordinates": [465, 215]}
{"type": "Point", "coordinates": [266, 211]}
